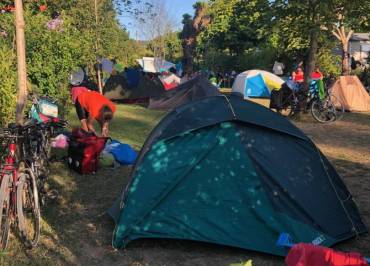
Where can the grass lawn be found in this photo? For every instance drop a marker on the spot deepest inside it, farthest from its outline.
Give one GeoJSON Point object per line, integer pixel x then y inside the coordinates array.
{"type": "Point", "coordinates": [77, 231]}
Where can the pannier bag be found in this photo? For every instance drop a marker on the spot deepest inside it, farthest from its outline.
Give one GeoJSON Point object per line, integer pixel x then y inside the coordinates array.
{"type": "Point", "coordinates": [48, 108]}
{"type": "Point", "coordinates": [276, 99]}
{"type": "Point", "coordinates": [84, 151]}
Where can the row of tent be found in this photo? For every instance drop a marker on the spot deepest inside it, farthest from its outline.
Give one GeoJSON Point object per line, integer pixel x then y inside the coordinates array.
{"type": "Point", "coordinates": [253, 83]}
{"type": "Point", "coordinates": [348, 90]}
{"type": "Point", "coordinates": [227, 171]}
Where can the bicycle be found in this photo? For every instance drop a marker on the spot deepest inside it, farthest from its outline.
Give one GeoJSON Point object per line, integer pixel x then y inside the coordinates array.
{"type": "Point", "coordinates": [44, 111]}
{"type": "Point", "coordinates": [45, 125]}
{"type": "Point", "coordinates": [322, 109]}
{"type": "Point", "coordinates": [18, 193]}
{"type": "Point", "coordinates": [37, 149]}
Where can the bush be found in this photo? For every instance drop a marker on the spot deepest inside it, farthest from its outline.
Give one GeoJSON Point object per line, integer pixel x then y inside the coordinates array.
{"type": "Point", "coordinates": [329, 63]}
{"type": "Point", "coordinates": [253, 59]}
{"type": "Point", "coordinates": [8, 82]}
{"type": "Point", "coordinates": [51, 55]}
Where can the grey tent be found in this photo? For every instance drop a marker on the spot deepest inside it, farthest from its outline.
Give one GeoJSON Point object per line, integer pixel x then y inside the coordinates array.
{"type": "Point", "coordinates": [119, 87]}
{"type": "Point", "coordinates": [194, 89]}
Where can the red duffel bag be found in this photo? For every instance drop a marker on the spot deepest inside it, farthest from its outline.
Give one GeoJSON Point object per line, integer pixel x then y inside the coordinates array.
{"type": "Point", "coordinates": [310, 255]}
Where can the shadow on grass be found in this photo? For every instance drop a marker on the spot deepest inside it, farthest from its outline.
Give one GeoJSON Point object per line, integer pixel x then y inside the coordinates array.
{"type": "Point", "coordinates": [350, 134]}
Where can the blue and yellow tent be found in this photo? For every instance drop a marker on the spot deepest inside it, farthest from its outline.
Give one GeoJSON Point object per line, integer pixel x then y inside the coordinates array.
{"type": "Point", "coordinates": [256, 83]}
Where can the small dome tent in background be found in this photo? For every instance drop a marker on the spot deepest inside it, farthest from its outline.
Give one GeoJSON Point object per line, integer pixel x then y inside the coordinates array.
{"type": "Point", "coordinates": [77, 77]}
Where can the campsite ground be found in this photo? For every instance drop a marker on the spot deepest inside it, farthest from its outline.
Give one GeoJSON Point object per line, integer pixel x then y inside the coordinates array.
{"type": "Point", "coordinates": [77, 231]}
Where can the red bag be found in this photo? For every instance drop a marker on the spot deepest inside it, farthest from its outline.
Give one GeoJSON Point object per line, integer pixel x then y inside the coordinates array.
{"type": "Point", "coordinates": [307, 254]}
{"type": "Point", "coordinates": [84, 151]}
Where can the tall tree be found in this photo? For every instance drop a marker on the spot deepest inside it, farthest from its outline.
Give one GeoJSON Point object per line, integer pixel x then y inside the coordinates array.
{"type": "Point", "coordinates": [311, 20]}
{"type": "Point", "coordinates": [191, 29]}
{"type": "Point", "coordinates": [306, 19]}
{"type": "Point", "coordinates": [340, 33]}
{"type": "Point", "coordinates": [349, 16]}
{"type": "Point", "coordinates": [237, 25]}
{"type": "Point", "coordinates": [21, 59]}
{"type": "Point", "coordinates": [156, 26]}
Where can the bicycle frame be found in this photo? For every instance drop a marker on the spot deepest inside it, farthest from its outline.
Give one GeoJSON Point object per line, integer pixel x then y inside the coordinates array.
{"type": "Point", "coordinates": [11, 167]}
{"type": "Point", "coordinates": [18, 184]}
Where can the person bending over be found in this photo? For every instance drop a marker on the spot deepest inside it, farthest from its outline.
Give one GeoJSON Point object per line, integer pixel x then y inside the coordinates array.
{"type": "Point", "coordinates": [90, 106]}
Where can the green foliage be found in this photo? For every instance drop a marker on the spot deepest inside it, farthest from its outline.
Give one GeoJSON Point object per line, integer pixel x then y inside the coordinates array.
{"type": "Point", "coordinates": [329, 63]}
{"type": "Point", "coordinates": [8, 71]}
{"type": "Point", "coordinates": [252, 34]}
{"type": "Point", "coordinates": [172, 46]}
{"type": "Point", "coordinates": [238, 36]}
{"type": "Point", "coordinates": [7, 84]}
{"type": "Point", "coordinates": [216, 60]}
{"type": "Point", "coordinates": [53, 54]}
{"type": "Point", "coordinates": [237, 25]}
{"type": "Point", "coordinates": [297, 22]}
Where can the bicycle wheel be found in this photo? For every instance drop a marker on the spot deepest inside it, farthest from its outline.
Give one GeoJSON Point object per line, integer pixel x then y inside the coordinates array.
{"type": "Point", "coordinates": [289, 108]}
{"type": "Point", "coordinates": [339, 107]}
{"type": "Point", "coordinates": [5, 216]}
{"type": "Point", "coordinates": [323, 111]}
{"type": "Point", "coordinates": [286, 111]}
{"type": "Point", "coordinates": [28, 209]}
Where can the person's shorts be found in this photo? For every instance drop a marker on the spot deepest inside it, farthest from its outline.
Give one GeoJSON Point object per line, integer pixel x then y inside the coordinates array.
{"type": "Point", "coordinates": [81, 112]}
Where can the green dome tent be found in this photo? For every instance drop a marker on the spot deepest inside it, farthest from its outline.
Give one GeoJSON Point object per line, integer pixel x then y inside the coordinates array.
{"type": "Point", "coordinates": [231, 172]}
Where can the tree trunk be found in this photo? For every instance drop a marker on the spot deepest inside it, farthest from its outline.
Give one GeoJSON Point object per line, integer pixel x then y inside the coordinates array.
{"type": "Point", "coordinates": [21, 61]}
{"type": "Point", "coordinates": [341, 35]}
{"type": "Point", "coordinates": [191, 30]}
{"type": "Point", "coordinates": [345, 60]}
{"type": "Point", "coordinates": [311, 57]}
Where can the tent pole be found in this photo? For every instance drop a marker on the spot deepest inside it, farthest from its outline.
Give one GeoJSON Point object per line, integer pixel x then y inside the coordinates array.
{"type": "Point", "coordinates": [21, 61]}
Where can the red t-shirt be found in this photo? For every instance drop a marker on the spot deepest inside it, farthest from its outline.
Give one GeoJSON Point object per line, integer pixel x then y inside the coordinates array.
{"type": "Point", "coordinates": [316, 75]}
{"type": "Point", "coordinates": [299, 76]}
{"type": "Point", "coordinates": [93, 101]}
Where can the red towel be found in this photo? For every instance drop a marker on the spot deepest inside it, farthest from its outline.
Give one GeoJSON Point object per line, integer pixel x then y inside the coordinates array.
{"type": "Point", "coordinates": [308, 254]}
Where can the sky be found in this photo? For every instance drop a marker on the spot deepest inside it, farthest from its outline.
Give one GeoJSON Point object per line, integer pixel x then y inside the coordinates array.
{"type": "Point", "coordinates": [176, 7]}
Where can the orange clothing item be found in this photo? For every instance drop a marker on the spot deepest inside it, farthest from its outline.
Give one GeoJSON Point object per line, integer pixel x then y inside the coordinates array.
{"type": "Point", "coordinates": [93, 101]}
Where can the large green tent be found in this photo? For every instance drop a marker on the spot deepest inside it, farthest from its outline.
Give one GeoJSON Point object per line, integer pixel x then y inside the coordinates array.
{"type": "Point", "coordinates": [231, 172]}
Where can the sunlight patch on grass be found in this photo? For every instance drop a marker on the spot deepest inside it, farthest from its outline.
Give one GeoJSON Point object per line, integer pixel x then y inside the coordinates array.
{"type": "Point", "coordinates": [131, 123]}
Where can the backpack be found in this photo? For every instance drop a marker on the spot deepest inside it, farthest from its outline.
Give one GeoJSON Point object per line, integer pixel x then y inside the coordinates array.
{"type": "Point", "coordinates": [83, 152]}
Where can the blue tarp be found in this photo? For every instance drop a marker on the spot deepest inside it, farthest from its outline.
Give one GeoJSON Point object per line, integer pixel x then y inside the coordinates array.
{"type": "Point", "coordinates": [255, 87]}
{"type": "Point", "coordinates": [133, 77]}
{"type": "Point", "coordinates": [123, 153]}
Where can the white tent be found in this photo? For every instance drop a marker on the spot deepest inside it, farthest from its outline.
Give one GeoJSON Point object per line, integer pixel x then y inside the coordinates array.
{"type": "Point", "coordinates": [154, 64]}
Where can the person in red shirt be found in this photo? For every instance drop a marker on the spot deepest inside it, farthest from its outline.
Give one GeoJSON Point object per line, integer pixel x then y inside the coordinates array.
{"type": "Point", "coordinates": [298, 76]}
{"type": "Point", "coordinates": [90, 106]}
{"type": "Point", "coordinates": [316, 74]}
